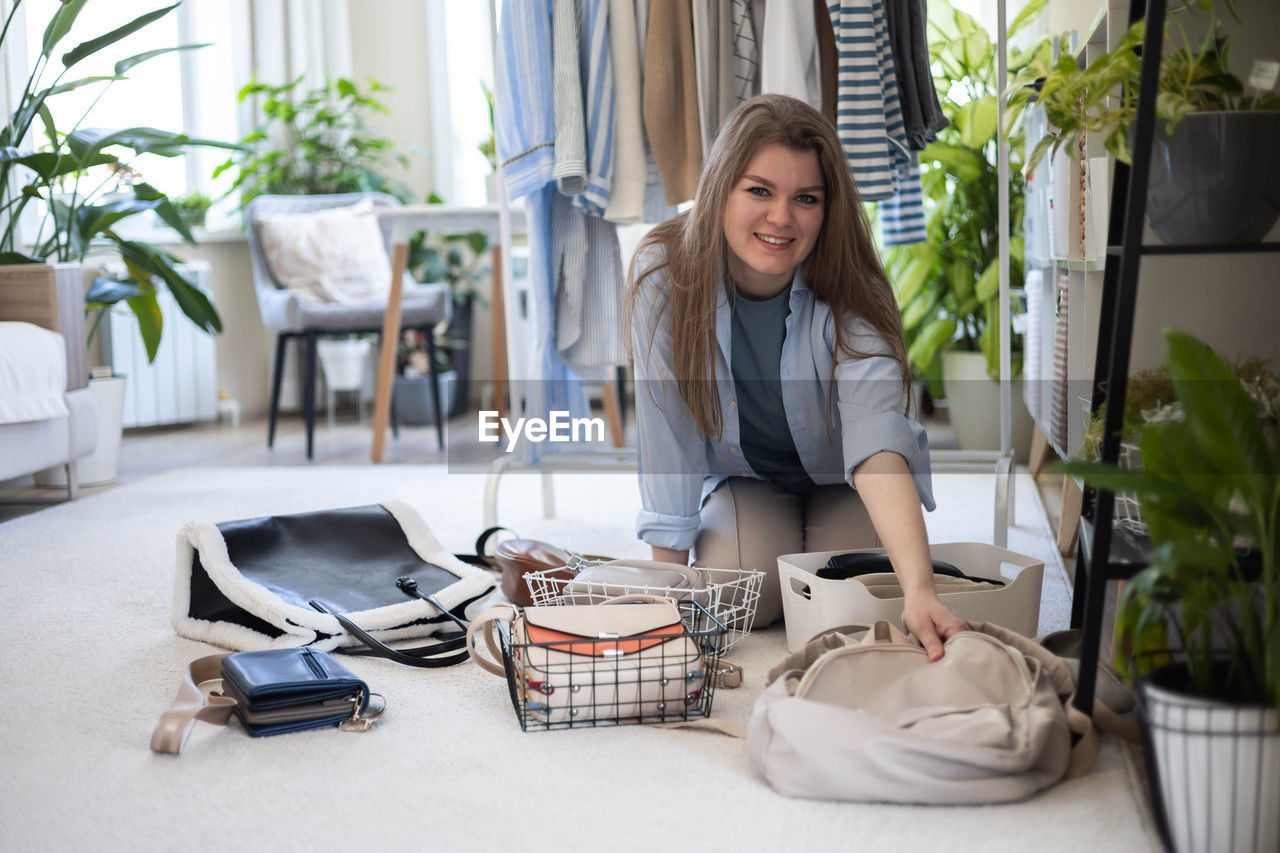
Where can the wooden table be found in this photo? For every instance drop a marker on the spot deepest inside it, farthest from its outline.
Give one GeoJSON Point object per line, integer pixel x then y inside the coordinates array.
{"type": "Point", "coordinates": [450, 219]}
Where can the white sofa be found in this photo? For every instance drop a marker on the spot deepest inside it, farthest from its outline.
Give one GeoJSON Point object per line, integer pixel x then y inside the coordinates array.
{"type": "Point", "coordinates": [37, 296]}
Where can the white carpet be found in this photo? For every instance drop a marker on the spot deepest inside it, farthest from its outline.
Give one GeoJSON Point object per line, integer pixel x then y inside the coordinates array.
{"type": "Point", "coordinates": [91, 661]}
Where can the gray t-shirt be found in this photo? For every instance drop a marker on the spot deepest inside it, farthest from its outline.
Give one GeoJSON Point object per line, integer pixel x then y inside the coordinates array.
{"type": "Point", "coordinates": [759, 327]}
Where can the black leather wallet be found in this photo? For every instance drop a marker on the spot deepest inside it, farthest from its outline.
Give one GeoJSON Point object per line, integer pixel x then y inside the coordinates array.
{"type": "Point", "coordinates": [292, 690]}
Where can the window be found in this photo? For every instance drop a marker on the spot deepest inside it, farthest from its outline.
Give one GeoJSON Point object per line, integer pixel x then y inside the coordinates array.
{"type": "Point", "coordinates": [460, 44]}
{"type": "Point", "coordinates": [189, 91]}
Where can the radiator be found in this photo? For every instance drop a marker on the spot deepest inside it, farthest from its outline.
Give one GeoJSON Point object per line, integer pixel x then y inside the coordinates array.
{"type": "Point", "coordinates": [181, 385]}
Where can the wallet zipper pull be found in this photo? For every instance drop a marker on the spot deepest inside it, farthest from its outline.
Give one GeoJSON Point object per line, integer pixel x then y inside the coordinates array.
{"type": "Point", "coordinates": [356, 723]}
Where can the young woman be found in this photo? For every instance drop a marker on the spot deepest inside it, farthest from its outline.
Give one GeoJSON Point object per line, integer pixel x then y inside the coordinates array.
{"type": "Point", "coordinates": [771, 372]}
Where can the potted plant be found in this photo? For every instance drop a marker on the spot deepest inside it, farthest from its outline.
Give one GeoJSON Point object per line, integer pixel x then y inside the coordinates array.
{"type": "Point", "coordinates": [315, 142]}
{"type": "Point", "coordinates": [85, 181]}
{"type": "Point", "coordinates": [84, 185]}
{"type": "Point", "coordinates": [412, 387]}
{"type": "Point", "coordinates": [1210, 180]}
{"type": "Point", "coordinates": [1210, 494]}
{"type": "Point", "coordinates": [193, 207]}
{"type": "Point", "coordinates": [948, 286]}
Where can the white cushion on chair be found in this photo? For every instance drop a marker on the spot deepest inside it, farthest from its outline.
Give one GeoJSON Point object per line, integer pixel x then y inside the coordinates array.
{"type": "Point", "coordinates": [332, 255]}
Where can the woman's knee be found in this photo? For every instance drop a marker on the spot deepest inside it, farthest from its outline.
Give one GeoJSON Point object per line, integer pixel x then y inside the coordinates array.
{"type": "Point", "coordinates": [745, 525]}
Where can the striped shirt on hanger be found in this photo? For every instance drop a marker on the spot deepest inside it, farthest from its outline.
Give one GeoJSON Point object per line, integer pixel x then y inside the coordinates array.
{"type": "Point", "coordinates": [869, 118]}
{"type": "Point", "coordinates": [523, 102]}
{"type": "Point", "coordinates": [597, 76]}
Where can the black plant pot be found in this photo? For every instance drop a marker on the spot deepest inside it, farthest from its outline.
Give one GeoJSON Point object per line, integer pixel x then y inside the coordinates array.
{"type": "Point", "coordinates": [459, 333]}
{"type": "Point", "coordinates": [1216, 179]}
{"type": "Point", "coordinates": [414, 405]}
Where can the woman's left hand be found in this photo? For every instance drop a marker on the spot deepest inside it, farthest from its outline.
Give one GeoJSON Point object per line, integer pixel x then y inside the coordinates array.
{"type": "Point", "coordinates": [931, 622]}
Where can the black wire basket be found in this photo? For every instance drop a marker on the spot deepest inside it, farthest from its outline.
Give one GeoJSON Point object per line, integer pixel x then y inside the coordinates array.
{"type": "Point", "coordinates": [1213, 768]}
{"type": "Point", "coordinates": [616, 680]}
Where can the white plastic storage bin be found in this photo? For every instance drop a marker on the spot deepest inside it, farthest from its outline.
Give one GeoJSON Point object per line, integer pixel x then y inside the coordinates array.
{"type": "Point", "coordinates": [812, 605]}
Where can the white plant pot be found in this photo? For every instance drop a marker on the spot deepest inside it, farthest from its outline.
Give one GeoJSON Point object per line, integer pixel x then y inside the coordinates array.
{"type": "Point", "coordinates": [343, 363]}
{"type": "Point", "coordinates": [1218, 765]}
{"type": "Point", "coordinates": [973, 404]}
{"type": "Point", "coordinates": [103, 464]}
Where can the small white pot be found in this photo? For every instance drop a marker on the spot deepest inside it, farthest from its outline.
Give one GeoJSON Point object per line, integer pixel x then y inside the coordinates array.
{"type": "Point", "coordinates": [103, 464]}
{"type": "Point", "coordinates": [343, 362]}
{"type": "Point", "coordinates": [1218, 765]}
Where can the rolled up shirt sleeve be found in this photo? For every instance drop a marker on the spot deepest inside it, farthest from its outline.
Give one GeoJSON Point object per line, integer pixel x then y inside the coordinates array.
{"type": "Point", "coordinates": [872, 404]}
{"type": "Point", "coordinates": [672, 455]}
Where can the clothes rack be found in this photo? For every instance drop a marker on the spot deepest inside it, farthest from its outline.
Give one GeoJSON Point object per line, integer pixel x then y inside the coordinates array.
{"type": "Point", "coordinates": [999, 462]}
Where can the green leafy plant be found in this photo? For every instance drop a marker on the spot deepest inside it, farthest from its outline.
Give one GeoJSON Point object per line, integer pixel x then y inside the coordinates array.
{"type": "Point", "coordinates": [948, 286]}
{"type": "Point", "coordinates": [315, 142]}
{"type": "Point", "coordinates": [83, 183]}
{"type": "Point", "coordinates": [1102, 97]}
{"type": "Point", "coordinates": [489, 147]}
{"type": "Point", "coordinates": [1209, 487]}
{"type": "Point", "coordinates": [193, 206]}
{"type": "Point", "coordinates": [458, 260]}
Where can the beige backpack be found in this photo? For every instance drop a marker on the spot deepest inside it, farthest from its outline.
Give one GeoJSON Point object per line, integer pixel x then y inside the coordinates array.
{"type": "Point", "coordinates": [874, 721]}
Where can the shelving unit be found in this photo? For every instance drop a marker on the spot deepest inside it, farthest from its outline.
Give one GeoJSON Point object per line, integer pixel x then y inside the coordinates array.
{"type": "Point", "coordinates": [1063, 305]}
{"type": "Point", "coordinates": [1105, 553]}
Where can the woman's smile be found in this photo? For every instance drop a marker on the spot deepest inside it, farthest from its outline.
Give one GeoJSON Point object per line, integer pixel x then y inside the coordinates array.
{"type": "Point", "coordinates": [775, 242]}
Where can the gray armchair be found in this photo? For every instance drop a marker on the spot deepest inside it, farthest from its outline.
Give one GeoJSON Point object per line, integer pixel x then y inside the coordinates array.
{"type": "Point", "coordinates": [423, 306]}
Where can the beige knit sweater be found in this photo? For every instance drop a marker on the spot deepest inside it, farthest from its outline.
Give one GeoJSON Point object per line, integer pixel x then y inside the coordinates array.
{"type": "Point", "coordinates": [671, 98]}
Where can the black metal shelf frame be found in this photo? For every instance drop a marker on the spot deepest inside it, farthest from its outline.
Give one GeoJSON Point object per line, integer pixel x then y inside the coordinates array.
{"type": "Point", "coordinates": [1104, 553]}
{"type": "Point", "coordinates": [1199, 248]}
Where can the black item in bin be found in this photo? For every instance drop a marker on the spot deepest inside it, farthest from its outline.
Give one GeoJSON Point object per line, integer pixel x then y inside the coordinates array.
{"type": "Point", "coordinates": [846, 566]}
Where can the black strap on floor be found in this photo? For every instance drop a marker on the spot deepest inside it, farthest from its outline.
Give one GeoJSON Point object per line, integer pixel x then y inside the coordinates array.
{"type": "Point", "coordinates": [429, 656]}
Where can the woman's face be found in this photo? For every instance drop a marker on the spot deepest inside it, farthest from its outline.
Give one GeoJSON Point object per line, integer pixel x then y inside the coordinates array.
{"type": "Point", "coordinates": [772, 219]}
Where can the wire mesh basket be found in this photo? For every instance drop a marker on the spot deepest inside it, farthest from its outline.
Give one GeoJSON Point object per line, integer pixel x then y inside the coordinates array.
{"type": "Point", "coordinates": [1127, 512]}
{"type": "Point", "coordinates": [656, 677]}
{"type": "Point", "coordinates": [1212, 766]}
{"type": "Point", "coordinates": [730, 596]}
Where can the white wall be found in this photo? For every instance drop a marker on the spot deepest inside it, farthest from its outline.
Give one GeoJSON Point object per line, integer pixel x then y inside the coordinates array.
{"type": "Point", "coordinates": [389, 44]}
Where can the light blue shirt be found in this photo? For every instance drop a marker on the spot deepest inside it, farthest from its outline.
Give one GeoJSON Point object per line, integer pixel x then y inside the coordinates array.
{"type": "Point", "coordinates": [524, 108]}
{"type": "Point", "coordinates": [679, 468]}
{"type": "Point", "coordinates": [523, 99]}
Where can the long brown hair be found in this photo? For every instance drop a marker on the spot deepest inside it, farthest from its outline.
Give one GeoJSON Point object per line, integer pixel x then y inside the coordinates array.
{"type": "Point", "coordinates": [843, 269]}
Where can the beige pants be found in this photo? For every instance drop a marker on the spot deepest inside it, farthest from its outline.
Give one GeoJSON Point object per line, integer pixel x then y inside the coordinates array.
{"type": "Point", "coordinates": [747, 523]}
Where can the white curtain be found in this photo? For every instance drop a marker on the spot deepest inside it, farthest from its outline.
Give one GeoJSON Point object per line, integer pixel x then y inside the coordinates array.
{"type": "Point", "coordinates": [290, 39]}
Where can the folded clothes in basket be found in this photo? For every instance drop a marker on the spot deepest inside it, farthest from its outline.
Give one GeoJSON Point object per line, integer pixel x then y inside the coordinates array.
{"type": "Point", "coordinates": [1003, 587]}
{"type": "Point", "coordinates": [888, 586]}
{"type": "Point", "coordinates": [635, 660]}
{"type": "Point", "coordinates": [729, 595]}
{"type": "Point", "coordinates": [594, 584]}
